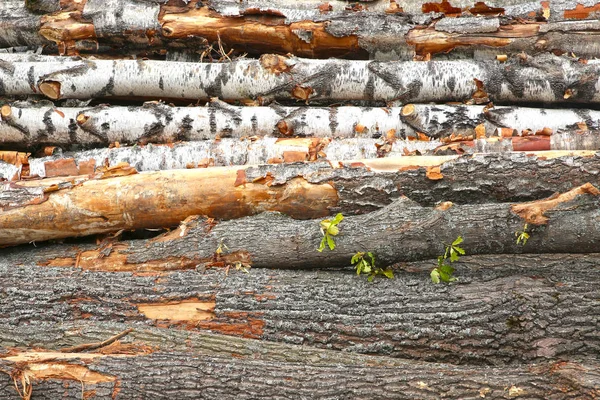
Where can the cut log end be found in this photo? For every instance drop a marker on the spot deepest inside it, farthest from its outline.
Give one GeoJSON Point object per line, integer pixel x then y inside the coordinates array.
{"type": "Point", "coordinates": [50, 89]}
{"type": "Point", "coordinates": [6, 111]}
{"type": "Point", "coordinates": [407, 110]}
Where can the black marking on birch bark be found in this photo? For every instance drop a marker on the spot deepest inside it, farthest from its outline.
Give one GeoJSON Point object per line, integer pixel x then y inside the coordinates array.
{"type": "Point", "coordinates": [47, 120]}
{"type": "Point", "coordinates": [390, 77]}
{"type": "Point", "coordinates": [91, 128]}
{"type": "Point", "coordinates": [21, 128]}
{"type": "Point", "coordinates": [31, 79]}
{"type": "Point", "coordinates": [185, 128]}
{"type": "Point", "coordinates": [161, 84]}
{"type": "Point", "coordinates": [451, 84]}
{"type": "Point", "coordinates": [73, 131]}
{"type": "Point", "coordinates": [106, 90]}
{"type": "Point", "coordinates": [7, 67]}
{"type": "Point", "coordinates": [2, 88]}
{"type": "Point", "coordinates": [254, 122]}
{"type": "Point", "coordinates": [333, 124]}
{"type": "Point", "coordinates": [280, 111]}
{"type": "Point", "coordinates": [215, 88]}
{"type": "Point", "coordinates": [212, 120]}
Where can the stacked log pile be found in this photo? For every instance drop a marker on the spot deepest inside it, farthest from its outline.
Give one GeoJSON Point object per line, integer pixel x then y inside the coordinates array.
{"type": "Point", "coordinates": [168, 169]}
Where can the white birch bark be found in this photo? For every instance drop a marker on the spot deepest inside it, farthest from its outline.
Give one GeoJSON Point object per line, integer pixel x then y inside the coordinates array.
{"type": "Point", "coordinates": [443, 120]}
{"type": "Point", "coordinates": [547, 79]}
{"type": "Point", "coordinates": [26, 125]}
{"type": "Point", "coordinates": [32, 125]}
{"type": "Point", "coordinates": [225, 152]}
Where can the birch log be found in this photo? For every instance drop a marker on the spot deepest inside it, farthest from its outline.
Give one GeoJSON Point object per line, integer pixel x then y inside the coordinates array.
{"type": "Point", "coordinates": [161, 363]}
{"type": "Point", "coordinates": [112, 199]}
{"type": "Point", "coordinates": [546, 79]}
{"type": "Point", "coordinates": [27, 125]}
{"type": "Point", "coordinates": [535, 309]}
{"type": "Point", "coordinates": [223, 152]}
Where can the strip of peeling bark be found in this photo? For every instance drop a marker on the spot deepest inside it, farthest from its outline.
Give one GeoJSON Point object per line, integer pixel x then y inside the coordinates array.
{"type": "Point", "coordinates": [28, 125]}
{"type": "Point", "coordinates": [113, 199]}
{"type": "Point", "coordinates": [535, 308]}
{"type": "Point", "coordinates": [191, 366]}
{"type": "Point", "coordinates": [555, 10]}
{"type": "Point", "coordinates": [547, 79]}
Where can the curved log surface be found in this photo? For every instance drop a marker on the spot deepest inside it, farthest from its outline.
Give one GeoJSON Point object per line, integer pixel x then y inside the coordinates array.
{"type": "Point", "coordinates": [28, 125]}
{"type": "Point", "coordinates": [114, 199]}
{"type": "Point", "coordinates": [504, 310]}
{"type": "Point", "coordinates": [547, 79]}
{"type": "Point", "coordinates": [209, 366]}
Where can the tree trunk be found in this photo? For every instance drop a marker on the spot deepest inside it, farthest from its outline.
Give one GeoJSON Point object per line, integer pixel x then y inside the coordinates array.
{"type": "Point", "coordinates": [542, 79]}
{"type": "Point", "coordinates": [535, 308]}
{"type": "Point", "coordinates": [211, 366]}
{"type": "Point", "coordinates": [314, 30]}
{"type": "Point", "coordinates": [398, 232]}
{"type": "Point", "coordinates": [32, 125]}
{"type": "Point", "coordinates": [111, 199]}
{"type": "Point", "coordinates": [26, 126]}
{"type": "Point", "coordinates": [223, 152]}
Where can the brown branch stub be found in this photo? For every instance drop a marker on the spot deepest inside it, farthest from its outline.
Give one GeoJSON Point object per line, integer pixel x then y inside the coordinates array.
{"type": "Point", "coordinates": [533, 212]}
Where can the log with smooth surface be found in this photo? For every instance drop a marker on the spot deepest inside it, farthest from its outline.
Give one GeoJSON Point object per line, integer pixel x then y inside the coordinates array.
{"type": "Point", "coordinates": [548, 79]}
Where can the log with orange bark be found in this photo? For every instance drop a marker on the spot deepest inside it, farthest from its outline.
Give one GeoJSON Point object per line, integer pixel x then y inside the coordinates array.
{"type": "Point", "coordinates": [379, 30]}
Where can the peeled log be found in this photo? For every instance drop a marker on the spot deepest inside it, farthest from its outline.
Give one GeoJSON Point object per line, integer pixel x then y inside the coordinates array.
{"type": "Point", "coordinates": [535, 308]}
{"type": "Point", "coordinates": [547, 79]}
{"type": "Point", "coordinates": [113, 199]}
{"type": "Point", "coordinates": [188, 365]}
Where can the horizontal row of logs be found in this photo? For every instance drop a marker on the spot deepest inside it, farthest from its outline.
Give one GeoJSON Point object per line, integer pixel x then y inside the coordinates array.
{"type": "Point", "coordinates": [28, 125]}
{"type": "Point", "coordinates": [384, 29]}
{"type": "Point", "coordinates": [546, 79]}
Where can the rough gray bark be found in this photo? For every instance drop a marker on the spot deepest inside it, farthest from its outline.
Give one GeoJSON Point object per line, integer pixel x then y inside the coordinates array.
{"type": "Point", "coordinates": [303, 190]}
{"type": "Point", "coordinates": [542, 79]}
{"type": "Point", "coordinates": [401, 231]}
{"type": "Point", "coordinates": [439, 121]}
{"type": "Point", "coordinates": [201, 366]}
{"type": "Point", "coordinates": [535, 308]}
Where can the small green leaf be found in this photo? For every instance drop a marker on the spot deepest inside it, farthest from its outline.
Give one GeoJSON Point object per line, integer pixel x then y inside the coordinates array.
{"type": "Point", "coordinates": [356, 257]}
{"type": "Point", "coordinates": [370, 278]}
{"type": "Point", "coordinates": [337, 219]}
{"type": "Point", "coordinates": [322, 246]}
{"type": "Point", "coordinates": [447, 269]}
{"type": "Point", "coordinates": [459, 249]}
{"type": "Point", "coordinates": [452, 279]}
{"type": "Point", "coordinates": [435, 276]}
{"type": "Point", "coordinates": [389, 273]}
{"type": "Point", "coordinates": [458, 241]}
{"type": "Point", "coordinates": [330, 242]}
{"type": "Point", "coordinates": [453, 256]}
